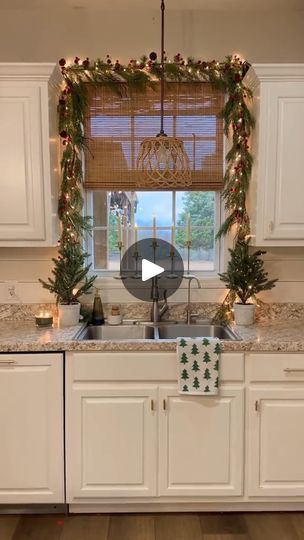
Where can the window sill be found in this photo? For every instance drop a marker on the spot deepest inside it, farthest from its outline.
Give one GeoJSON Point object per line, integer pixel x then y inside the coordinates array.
{"type": "Point", "coordinates": [207, 282]}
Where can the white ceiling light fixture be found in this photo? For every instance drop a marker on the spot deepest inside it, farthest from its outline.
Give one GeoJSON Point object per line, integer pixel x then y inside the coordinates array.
{"type": "Point", "coordinates": [162, 159]}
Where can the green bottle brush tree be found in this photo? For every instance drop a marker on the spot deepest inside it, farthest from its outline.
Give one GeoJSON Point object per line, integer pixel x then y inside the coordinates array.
{"type": "Point", "coordinates": [70, 280]}
{"type": "Point", "coordinates": [245, 275]}
{"type": "Point", "coordinates": [245, 272]}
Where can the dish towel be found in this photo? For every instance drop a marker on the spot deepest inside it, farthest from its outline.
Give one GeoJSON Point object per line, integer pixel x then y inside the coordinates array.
{"type": "Point", "coordinates": [198, 365]}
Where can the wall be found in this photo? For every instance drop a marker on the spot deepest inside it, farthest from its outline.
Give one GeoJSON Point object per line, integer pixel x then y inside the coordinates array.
{"type": "Point", "coordinates": [45, 31]}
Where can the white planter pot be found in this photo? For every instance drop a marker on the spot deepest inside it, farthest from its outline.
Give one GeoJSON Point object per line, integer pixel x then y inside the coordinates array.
{"type": "Point", "coordinates": [69, 314]}
{"type": "Point", "coordinates": [244, 314]}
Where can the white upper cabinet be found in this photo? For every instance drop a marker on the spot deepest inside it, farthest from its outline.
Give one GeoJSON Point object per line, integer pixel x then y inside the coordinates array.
{"type": "Point", "coordinates": [29, 154]}
{"type": "Point", "coordinates": [277, 186]}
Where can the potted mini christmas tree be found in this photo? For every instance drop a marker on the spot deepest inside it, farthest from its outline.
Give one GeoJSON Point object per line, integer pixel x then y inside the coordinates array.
{"type": "Point", "coordinates": [70, 281]}
{"type": "Point", "coordinates": [246, 277]}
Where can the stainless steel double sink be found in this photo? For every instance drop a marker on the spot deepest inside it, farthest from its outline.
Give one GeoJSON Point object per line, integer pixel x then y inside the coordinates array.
{"type": "Point", "coordinates": [141, 330]}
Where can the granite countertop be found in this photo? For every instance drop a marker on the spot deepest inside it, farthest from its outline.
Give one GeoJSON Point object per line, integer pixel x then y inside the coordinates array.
{"type": "Point", "coordinates": [23, 336]}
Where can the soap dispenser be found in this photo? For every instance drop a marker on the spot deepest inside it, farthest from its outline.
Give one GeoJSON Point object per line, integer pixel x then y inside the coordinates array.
{"type": "Point", "coordinates": [97, 314]}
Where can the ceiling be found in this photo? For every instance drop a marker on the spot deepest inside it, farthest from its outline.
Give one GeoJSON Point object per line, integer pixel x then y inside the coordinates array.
{"type": "Point", "coordinates": [187, 5]}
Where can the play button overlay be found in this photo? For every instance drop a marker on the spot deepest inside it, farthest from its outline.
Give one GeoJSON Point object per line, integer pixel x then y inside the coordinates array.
{"type": "Point", "coordinates": [149, 264]}
{"type": "Point", "coordinates": [150, 270]}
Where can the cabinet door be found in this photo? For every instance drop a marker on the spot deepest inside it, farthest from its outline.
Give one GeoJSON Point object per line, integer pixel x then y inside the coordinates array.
{"type": "Point", "coordinates": [276, 442]}
{"type": "Point", "coordinates": [111, 441]}
{"type": "Point", "coordinates": [22, 205]}
{"type": "Point", "coordinates": [282, 161]}
{"type": "Point", "coordinates": [201, 443]}
{"type": "Point", "coordinates": [31, 427]}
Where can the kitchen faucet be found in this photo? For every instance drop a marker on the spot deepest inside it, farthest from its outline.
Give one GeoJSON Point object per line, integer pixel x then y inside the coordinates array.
{"type": "Point", "coordinates": [156, 311]}
{"type": "Point", "coordinates": [190, 278]}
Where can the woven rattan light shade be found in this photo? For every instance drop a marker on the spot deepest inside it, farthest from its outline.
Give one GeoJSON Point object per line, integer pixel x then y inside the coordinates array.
{"type": "Point", "coordinates": [163, 163]}
{"type": "Point", "coordinates": [115, 127]}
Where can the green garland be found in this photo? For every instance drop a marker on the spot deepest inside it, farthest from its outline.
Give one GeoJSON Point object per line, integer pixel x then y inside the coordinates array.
{"type": "Point", "coordinates": [140, 74]}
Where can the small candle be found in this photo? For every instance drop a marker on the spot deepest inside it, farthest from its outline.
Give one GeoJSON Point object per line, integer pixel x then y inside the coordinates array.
{"type": "Point", "coordinates": [154, 226]}
{"type": "Point", "coordinates": [135, 233]}
{"type": "Point", "coordinates": [172, 235]}
{"type": "Point", "coordinates": [44, 319]}
{"type": "Point", "coordinates": [119, 228]}
{"type": "Point", "coordinates": [188, 237]}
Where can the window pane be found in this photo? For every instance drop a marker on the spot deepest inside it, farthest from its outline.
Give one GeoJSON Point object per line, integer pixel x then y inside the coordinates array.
{"type": "Point", "coordinates": [200, 205]}
{"type": "Point", "coordinates": [100, 209]}
{"type": "Point", "coordinates": [154, 203]}
{"type": "Point", "coordinates": [100, 249]}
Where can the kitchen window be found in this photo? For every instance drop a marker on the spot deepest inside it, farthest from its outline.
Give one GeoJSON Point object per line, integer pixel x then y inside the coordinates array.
{"type": "Point", "coordinates": [137, 208]}
{"type": "Point", "coordinates": [114, 128]}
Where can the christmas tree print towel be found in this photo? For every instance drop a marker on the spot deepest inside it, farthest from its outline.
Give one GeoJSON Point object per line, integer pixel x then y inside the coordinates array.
{"type": "Point", "coordinates": [198, 365]}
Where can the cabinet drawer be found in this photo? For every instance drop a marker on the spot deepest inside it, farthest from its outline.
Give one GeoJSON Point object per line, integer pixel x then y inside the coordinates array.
{"type": "Point", "coordinates": [141, 366]}
{"type": "Point", "coordinates": [285, 367]}
{"type": "Point", "coordinates": [29, 359]}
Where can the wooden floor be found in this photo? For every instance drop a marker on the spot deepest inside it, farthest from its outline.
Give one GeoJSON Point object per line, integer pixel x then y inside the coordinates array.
{"type": "Point", "coordinates": [223, 526]}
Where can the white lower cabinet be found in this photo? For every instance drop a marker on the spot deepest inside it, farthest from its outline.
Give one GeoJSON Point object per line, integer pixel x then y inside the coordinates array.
{"type": "Point", "coordinates": [276, 442]}
{"type": "Point", "coordinates": [275, 431]}
{"type": "Point", "coordinates": [111, 441]}
{"type": "Point", "coordinates": [31, 428]}
{"type": "Point", "coordinates": [201, 443]}
{"type": "Point", "coordinates": [129, 434]}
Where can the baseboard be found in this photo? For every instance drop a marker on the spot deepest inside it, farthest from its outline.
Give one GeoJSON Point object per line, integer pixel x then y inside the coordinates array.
{"type": "Point", "coordinates": [33, 509]}
{"type": "Point", "coordinates": [186, 507]}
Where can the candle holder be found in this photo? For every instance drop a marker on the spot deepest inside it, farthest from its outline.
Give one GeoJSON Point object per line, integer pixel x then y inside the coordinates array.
{"type": "Point", "coordinates": [136, 256]}
{"type": "Point", "coordinates": [120, 246]}
{"type": "Point", "coordinates": [188, 246]}
{"type": "Point", "coordinates": [172, 275]}
{"type": "Point", "coordinates": [154, 247]}
{"type": "Point", "coordinates": [44, 320]}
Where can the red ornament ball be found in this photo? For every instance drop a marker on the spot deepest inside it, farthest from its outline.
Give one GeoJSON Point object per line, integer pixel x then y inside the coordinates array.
{"type": "Point", "coordinates": [153, 56]}
{"type": "Point", "coordinates": [61, 101]}
{"type": "Point", "coordinates": [76, 60]}
{"type": "Point", "coordinates": [237, 78]}
{"type": "Point", "coordinates": [109, 61]}
{"type": "Point", "coordinates": [62, 62]}
{"type": "Point", "coordinates": [63, 134]}
{"type": "Point", "coordinates": [86, 63]}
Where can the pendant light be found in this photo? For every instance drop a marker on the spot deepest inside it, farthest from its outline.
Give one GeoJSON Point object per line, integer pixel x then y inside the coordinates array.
{"type": "Point", "coordinates": [162, 159]}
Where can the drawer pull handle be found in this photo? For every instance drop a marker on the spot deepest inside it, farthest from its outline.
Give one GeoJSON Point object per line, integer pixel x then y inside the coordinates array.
{"type": "Point", "coordinates": [7, 362]}
{"type": "Point", "coordinates": [152, 404]}
{"type": "Point", "coordinates": [164, 405]}
{"type": "Point", "coordinates": [294, 370]}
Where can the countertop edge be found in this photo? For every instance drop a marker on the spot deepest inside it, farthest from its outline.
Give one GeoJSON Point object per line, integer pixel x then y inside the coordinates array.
{"type": "Point", "coordinates": [145, 345]}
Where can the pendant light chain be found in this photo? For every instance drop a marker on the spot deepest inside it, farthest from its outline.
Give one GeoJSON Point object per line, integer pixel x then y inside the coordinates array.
{"type": "Point", "coordinates": [162, 61]}
{"type": "Point", "coordinates": [162, 160]}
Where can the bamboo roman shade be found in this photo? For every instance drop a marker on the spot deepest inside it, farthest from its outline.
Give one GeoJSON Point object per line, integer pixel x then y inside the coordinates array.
{"type": "Point", "coordinates": [115, 127]}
